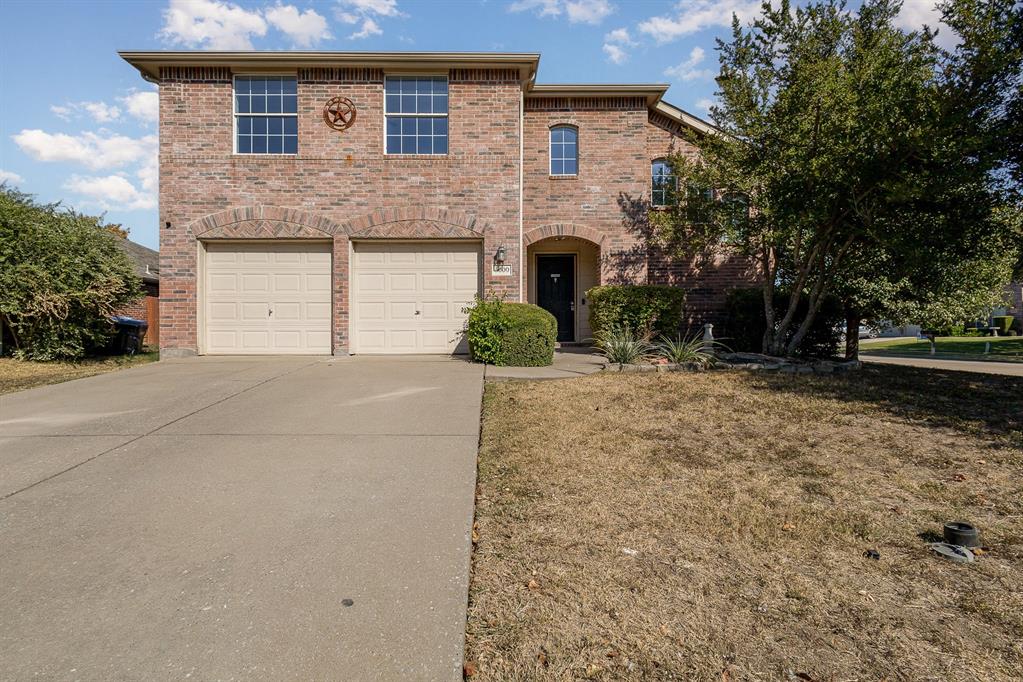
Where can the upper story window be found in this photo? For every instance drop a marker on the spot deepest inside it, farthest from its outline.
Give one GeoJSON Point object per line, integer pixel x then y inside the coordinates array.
{"type": "Point", "coordinates": [663, 183]}
{"type": "Point", "coordinates": [266, 114]}
{"type": "Point", "coordinates": [416, 113]}
{"type": "Point", "coordinates": [564, 150]}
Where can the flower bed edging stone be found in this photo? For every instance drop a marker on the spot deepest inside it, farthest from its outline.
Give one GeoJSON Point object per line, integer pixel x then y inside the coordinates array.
{"type": "Point", "coordinates": [748, 362]}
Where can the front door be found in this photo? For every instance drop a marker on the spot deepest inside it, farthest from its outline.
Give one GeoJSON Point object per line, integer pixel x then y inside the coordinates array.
{"type": "Point", "coordinates": [555, 291]}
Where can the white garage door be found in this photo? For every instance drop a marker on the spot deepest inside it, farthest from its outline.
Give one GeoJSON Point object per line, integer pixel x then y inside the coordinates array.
{"type": "Point", "coordinates": [407, 297]}
{"type": "Point", "coordinates": [267, 298]}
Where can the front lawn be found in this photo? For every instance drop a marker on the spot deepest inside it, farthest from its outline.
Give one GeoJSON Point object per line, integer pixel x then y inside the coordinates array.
{"type": "Point", "coordinates": [713, 527]}
{"type": "Point", "coordinates": [17, 375]}
{"type": "Point", "coordinates": [1002, 349]}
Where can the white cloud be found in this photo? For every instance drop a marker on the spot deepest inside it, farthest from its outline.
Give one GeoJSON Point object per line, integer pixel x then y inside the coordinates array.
{"type": "Point", "coordinates": [588, 11]}
{"type": "Point", "coordinates": [384, 8]}
{"type": "Point", "coordinates": [615, 53]}
{"type": "Point", "coordinates": [304, 28]}
{"type": "Point", "coordinates": [92, 150]}
{"type": "Point", "coordinates": [111, 192]}
{"type": "Point", "coordinates": [211, 24]}
{"type": "Point", "coordinates": [577, 11]}
{"type": "Point", "coordinates": [11, 177]}
{"type": "Point", "coordinates": [543, 8]}
{"type": "Point", "coordinates": [915, 14]}
{"type": "Point", "coordinates": [354, 11]}
{"type": "Point", "coordinates": [99, 111]}
{"type": "Point", "coordinates": [143, 105]}
{"type": "Point", "coordinates": [369, 28]}
{"type": "Point", "coordinates": [704, 104]}
{"type": "Point", "coordinates": [687, 71]}
{"type": "Point", "coordinates": [615, 43]}
{"type": "Point", "coordinates": [695, 15]}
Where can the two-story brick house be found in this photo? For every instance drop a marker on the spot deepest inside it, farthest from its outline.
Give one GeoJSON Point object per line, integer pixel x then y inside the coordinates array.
{"type": "Point", "coordinates": [356, 202]}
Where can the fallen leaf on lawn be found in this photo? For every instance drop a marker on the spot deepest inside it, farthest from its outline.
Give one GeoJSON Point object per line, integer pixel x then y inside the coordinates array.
{"type": "Point", "coordinates": [475, 533]}
{"type": "Point", "coordinates": [612, 654]}
{"type": "Point", "coordinates": [533, 585]}
{"type": "Point", "coordinates": [788, 526]}
{"type": "Point", "coordinates": [469, 669]}
{"type": "Point", "coordinates": [592, 669]}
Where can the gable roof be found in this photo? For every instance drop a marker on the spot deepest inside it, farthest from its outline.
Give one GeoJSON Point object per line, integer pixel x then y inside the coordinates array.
{"type": "Point", "coordinates": [145, 260]}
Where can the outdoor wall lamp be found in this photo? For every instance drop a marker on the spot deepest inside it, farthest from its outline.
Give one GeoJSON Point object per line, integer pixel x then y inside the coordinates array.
{"type": "Point", "coordinates": [500, 255]}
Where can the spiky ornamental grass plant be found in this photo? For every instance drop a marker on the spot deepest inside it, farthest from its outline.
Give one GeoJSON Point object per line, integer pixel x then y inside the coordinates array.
{"type": "Point", "coordinates": [623, 346]}
{"type": "Point", "coordinates": [683, 349]}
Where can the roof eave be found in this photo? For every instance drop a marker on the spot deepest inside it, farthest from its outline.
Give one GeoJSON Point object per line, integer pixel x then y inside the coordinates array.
{"type": "Point", "coordinates": [685, 118]}
{"type": "Point", "coordinates": [652, 92]}
{"type": "Point", "coordinates": [149, 62]}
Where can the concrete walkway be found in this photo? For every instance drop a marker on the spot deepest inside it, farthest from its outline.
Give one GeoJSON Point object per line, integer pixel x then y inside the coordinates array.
{"type": "Point", "coordinates": [982, 366]}
{"type": "Point", "coordinates": [238, 518]}
{"type": "Point", "coordinates": [572, 361]}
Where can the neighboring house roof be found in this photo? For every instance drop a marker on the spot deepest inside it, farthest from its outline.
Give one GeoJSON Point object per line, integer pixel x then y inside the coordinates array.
{"type": "Point", "coordinates": [527, 63]}
{"type": "Point", "coordinates": [145, 260]}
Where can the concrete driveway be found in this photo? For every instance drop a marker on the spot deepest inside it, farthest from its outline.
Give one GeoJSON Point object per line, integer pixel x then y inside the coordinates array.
{"type": "Point", "coordinates": [240, 519]}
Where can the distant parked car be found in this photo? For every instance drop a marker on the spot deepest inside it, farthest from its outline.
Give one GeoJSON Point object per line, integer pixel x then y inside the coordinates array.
{"type": "Point", "coordinates": [868, 331]}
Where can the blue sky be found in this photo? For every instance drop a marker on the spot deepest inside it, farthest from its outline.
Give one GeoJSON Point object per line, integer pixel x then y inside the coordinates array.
{"type": "Point", "coordinates": [77, 124]}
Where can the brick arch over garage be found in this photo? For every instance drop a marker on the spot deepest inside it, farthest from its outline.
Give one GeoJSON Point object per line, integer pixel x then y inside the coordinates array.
{"type": "Point", "coordinates": [563, 230]}
{"type": "Point", "coordinates": [415, 222]}
{"type": "Point", "coordinates": [263, 222]}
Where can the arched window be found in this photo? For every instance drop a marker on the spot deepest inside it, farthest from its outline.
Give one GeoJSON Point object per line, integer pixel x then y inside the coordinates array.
{"type": "Point", "coordinates": [662, 183]}
{"type": "Point", "coordinates": [564, 150]}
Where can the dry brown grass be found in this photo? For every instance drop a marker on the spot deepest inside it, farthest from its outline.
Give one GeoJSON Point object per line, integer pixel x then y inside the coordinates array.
{"type": "Point", "coordinates": [749, 501]}
{"type": "Point", "coordinates": [17, 375]}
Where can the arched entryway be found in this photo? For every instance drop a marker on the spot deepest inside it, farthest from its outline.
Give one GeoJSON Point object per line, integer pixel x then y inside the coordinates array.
{"type": "Point", "coordinates": [560, 269]}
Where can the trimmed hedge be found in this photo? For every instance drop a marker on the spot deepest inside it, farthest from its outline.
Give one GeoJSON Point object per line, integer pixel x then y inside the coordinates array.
{"type": "Point", "coordinates": [638, 308]}
{"type": "Point", "coordinates": [511, 334]}
{"type": "Point", "coordinates": [745, 323]}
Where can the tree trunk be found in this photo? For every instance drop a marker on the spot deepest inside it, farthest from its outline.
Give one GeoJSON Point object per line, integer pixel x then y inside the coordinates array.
{"type": "Point", "coordinates": [852, 334]}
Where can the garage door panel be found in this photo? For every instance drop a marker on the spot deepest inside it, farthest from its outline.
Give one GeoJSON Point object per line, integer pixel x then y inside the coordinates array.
{"type": "Point", "coordinates": [255, 312]}
{"type": "Point", "coordinates": [437, 280]}
{"type": "Point", "coordinates": [372, 282]}
{"type": "Point", "coordinates": [402, 281]}
{"type": "Point", "coordinates": [318, 311]}
{"type": "Point", "coordinates": [463, 282]}
{"type": "Point", "coordinates": [245, 282]}
{"type": "Point", "coordinates": [252, 256]}
{"type": "Point", "coordinates": [288, 282]}
{"type": "Point", "coordinates": [318, 283]}
{"type": "Point", "coordinates": [436, 310]}
{"type": "Point", "coordinates": [223, 282]}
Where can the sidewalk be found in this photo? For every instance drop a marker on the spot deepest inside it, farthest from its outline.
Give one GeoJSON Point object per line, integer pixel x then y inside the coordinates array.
{"type": "Point", "coordinates": [571, 361]}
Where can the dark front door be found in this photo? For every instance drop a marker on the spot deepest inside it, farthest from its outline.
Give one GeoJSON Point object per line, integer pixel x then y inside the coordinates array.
{"type": "Point", "coordinates": [555, 291]}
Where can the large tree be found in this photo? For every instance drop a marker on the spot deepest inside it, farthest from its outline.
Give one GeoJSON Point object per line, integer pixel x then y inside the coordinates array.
{"type": "Point", "coordinates": [873, 160]}
{"type": "Point", "coordinates": [62, 275]}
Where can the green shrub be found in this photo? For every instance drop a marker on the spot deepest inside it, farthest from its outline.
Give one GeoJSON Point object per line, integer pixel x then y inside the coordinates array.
{"type": "Point", "coordinates": [1003, 322]}
{"type": "Point", "coordinates": [646, 309]}
{"type": "Point", "coordinates": [511, 334]}
{"type": "Point", "coordinates": [62, 276]}
{"type": "Point", "coordinates": [744, 325]}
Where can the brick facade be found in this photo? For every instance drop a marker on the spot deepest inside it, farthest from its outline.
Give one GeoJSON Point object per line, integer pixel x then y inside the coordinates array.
{"type": "Point", "coordinates": [341, 186]}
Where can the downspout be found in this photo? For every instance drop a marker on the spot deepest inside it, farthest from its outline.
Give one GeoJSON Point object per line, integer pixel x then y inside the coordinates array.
{"type": "Point", "coordinates": [522, 252]}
